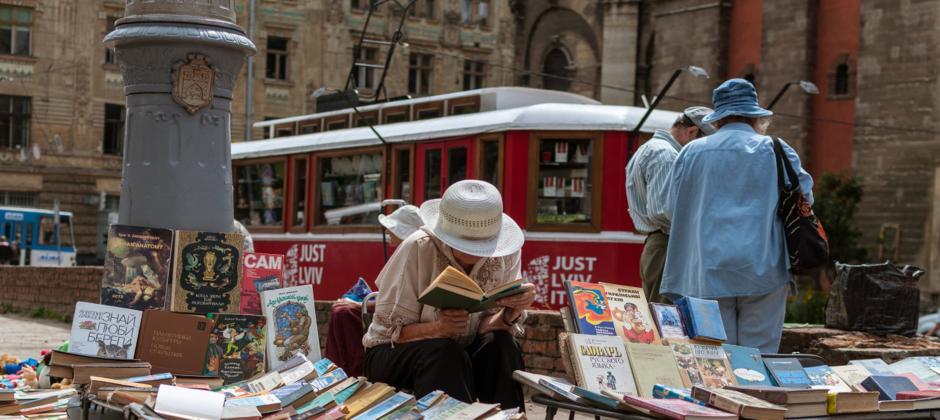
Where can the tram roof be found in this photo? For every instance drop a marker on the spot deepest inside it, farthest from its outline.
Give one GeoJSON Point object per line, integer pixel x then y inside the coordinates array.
{"type": "Point", "coordinates": [545, 116]}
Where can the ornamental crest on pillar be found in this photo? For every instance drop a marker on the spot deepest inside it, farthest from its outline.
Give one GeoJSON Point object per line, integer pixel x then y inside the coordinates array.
{"type": "Point", "coordinates": [193, 82]}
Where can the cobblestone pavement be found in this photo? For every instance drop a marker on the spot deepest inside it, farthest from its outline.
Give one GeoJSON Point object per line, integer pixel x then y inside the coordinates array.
{"type": "Point", "coordinates": [23, 337]}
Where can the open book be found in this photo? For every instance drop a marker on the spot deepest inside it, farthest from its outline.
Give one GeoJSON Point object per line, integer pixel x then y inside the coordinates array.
{"type": "Point", "coordinates": [453, 289]}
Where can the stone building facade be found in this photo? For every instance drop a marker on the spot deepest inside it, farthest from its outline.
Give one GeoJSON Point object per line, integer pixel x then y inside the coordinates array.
{"type": "Point", "coordinates": [61, 96]}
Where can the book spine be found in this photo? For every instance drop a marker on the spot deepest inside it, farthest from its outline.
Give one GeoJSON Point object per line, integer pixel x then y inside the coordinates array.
{"type": "Point", "coordinates": [576, 362]}
{"type": "Point", "coordinates": [572, 311]}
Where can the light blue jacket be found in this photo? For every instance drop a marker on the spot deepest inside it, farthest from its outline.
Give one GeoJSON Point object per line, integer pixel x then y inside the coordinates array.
{"type": "Point", "coordinates": [726, 238]}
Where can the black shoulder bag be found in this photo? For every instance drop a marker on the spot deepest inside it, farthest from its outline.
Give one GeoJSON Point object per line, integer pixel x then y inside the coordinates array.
{"type": "Point", "coordinates": [807, 244]}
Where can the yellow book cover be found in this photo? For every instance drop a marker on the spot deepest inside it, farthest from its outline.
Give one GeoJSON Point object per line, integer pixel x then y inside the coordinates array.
{"type": "Point", "coordinates": [652, 364]}
{"type": "Point", "coordinates": [371, 396]}
{"type": "Point", "coordinates": [206, 272]}
{"type": "Point", "coordinates": [631, 313]}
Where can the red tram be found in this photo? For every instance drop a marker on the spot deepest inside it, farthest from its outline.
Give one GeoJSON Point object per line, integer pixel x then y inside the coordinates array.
{"type": "Point", "coordinates": [313, 189]}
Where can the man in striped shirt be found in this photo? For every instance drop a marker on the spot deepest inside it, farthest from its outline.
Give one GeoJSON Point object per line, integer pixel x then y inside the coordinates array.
{"type": "Point", "coordinates": [648, 187]}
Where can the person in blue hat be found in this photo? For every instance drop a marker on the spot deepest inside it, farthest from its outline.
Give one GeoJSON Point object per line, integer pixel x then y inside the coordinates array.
{"type": "Point", "coordinates": [647, 189]}
{"type": "Point", "coordinates": [727, 241]}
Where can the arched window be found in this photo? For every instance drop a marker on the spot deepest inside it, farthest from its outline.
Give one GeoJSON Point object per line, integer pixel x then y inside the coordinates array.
{"type": "Point", "coordinates": [841, 82]}
{"type": "Point", "coordinates": [556, 66]}
{"type": "Point", "coordinates": [841, 78]}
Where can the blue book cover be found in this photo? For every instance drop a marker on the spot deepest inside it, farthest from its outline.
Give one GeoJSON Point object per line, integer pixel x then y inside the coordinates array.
{"type": "Point", "coordinates": [596, 399]}
{"type": "Point", "coordinates": [666, 392]}
{"type": "Point", "coordinates": [359, 291]}
{"type": "Point", "coordinates": [323, 366]}
{"type": "Point", "coordinates": [326, 381]}
{"type": "Point", "coordinates": [385, 407]}
{"type": "Point", "coordinates": [151, 378]}
{"type": "Point", "coordinates": [787, 372]}
{"type": "Point", "coordinates": [561, 389]}
{"type": "Point", "coordinates": [823, 377]}
{"type": "Point", "coordinates": [703, 318]}
{"type": "Point", "coordinates": [747, 365]}
{"type": "Point", "coordinates": [428, 400]}
{"type": "Point", "coordinates": [340, 396]}
{"type": "Point", "coordinates": [874, 366]}
{"type": "Point", "coordinates": [590, 309]}
{"type": "Point", "coordinates": [888, 386]}
{"type": "Point", "coordinates": [288, 394]}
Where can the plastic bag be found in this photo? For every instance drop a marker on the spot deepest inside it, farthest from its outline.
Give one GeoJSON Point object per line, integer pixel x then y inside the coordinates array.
{"type": "Point", "coordinates": [876, 298]}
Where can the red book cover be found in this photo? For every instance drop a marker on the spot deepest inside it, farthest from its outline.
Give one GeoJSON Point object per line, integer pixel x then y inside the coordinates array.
{"type": "Point", "coordinates": [676, 409]}
{"type": "Point", "coordinates": [261, 272]}
{"type": "Point", "coordinates": [916, 395]}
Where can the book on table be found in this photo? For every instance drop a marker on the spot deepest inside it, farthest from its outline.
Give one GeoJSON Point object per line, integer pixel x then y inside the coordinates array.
{"type": "Point", "coordinates": [265, 403]}
{"type": "Point", "coordinates": [873, 366]}
{"type": "Point", "coordinates": [787, 372]}
{"type": "Point", "coordinates": [174, 342]}
{"type": "Point", "coordinates": [452, 289]}
{"type": "Point", "coordinates": [589, 309]}
{"type": "Point", "coordinates": [747, 365]}
{"type": "Point", "coordinates": [431, 399]}
{"type": "Point", "coordinates": [674, 393]}
{"type": "Point", "coordinates": [291, 324]}
{"type": "Point", "coordinates": [671, 408]}
{"type": "Point", "coordinates": [919, 394]}
{"type": "Point", "coordinates": [852, 375]}
{"type": "Point", "coordinates": [702, 364]}
{"type": "Point", "coordinates": [177, 402]}
{"type": "Point", "coordinates": [783, 396]}
{"type": "Point", "coordinates": [652, 364]}
{"type": "Point", "coordinates": [137, 267]}
{"type": "Point", "coordinates": [600, 362]}
{"type": "Point", "coordinates": [236, 347]}
{"type": "Point", "coordinates": [738, 403]}
{"type": "Point", "coordinates": [560, 391]}
{"type": "Point", "coordinates": [207, 272]}
{"type": "Point", "coordinates": [260, 272]}
{"type": "Point", "coordinates": [702, 318]}
{"type": "Point", "coordinates": [102, 330]}
{"type": "Point", "coordinates": [852, 402]}
{"type": "Point", "coordinates": [823, 377]}
{"type": "Point", "coordinates": [385, 406]}
{"type": "Point", "coordinates": [631, 314]}
{"type": "Point", "coordinates": [668, 321]}
{"type": "Point", "coordinates": [915, 366]}
{"type": "Point", "coordinates": [888, 385]}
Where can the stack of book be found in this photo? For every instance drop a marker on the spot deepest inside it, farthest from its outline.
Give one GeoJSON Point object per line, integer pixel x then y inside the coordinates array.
{"type": "Point", "coordinates": [35, 403]}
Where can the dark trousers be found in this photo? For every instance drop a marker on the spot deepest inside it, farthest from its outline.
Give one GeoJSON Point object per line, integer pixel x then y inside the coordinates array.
{"type": "Point", "coordinates": [652, 263]}
{"type": "Point", "coordinates": [482, 370]}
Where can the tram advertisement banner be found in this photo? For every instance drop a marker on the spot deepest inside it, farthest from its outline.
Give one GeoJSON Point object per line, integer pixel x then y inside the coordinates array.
{"type": "Point", "coordinates": [332, 267]}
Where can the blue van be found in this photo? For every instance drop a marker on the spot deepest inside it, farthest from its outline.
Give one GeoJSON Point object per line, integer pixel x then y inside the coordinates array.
{"type": "Point", "coordinates": [34, 238]}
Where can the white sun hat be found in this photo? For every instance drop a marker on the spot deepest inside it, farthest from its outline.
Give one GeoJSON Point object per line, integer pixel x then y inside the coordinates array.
{"type": "Point", "coordinates": [402, 222]}
{"type": "Point", "coordinates": [470, 219]}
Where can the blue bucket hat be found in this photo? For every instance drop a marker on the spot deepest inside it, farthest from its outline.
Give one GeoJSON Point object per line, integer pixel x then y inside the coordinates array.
{"type": "Point", "coordinates": [735, 97]}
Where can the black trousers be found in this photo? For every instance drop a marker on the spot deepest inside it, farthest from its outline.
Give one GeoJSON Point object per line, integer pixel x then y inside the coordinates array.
{"type": "Point", "coordinates": [482, 370]}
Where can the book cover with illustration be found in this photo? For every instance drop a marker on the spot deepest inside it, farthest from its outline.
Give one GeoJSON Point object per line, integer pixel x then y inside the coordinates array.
{"type": "Point", "coordinates": [137, 267]}
{"type": "Point", "coordinates": [260, 272]}
{"type": "Point", "coordinates": [590, 309]}
{"type": "Point", "coordinates": [236, 347]}
{"type": "Point", "coordinates": [601, 363]}
{"type": "Point", "coordinates": [292, 324]}
{"type": "Point", "coordinates": [631, 314]}
{"type": "Point", "coordinates": [685, 361]}
{"type": "Point", "coordinates": [823, 377]}
{"type": "Point", "coordinates": [668, 321]}
{"type": "Point", "coordinates": [714, 366]}
{"type": "Point", "coordinates": [747, 364]}
{"type": "Point", "coordinates": [207, 270]}
{"type": "Point", "coordinates": [105, 331]}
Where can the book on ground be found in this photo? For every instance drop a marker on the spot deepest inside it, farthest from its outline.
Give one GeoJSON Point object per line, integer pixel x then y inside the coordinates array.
{"type": "Point", "coordinates": [206, 272]}
{"type": "Point", "coordinates": [601, 363]}
{"type": "Point", "coordinates": [852, 402]}
{"type": "Point", "coordinates": [888, 385]}
{"type": "Point", "coordinates": [823, 377]}
{"type": "Point", "coordinates": [852, 375]}
{"type": "Point", "coordinates": [873, 366]}
{"type": "Point", "coordinates": [735, 402]}
{"type": "Point", "coordinates": [652, 364]}
{"type": "Point", "coordinates": [106, 331]}
{"type": "Point", "coordinates": [236, 347]}
{"type": "Point", "coordinates": [668, 321]}
{"type": "Point", "coordinates": [702, 318]}
{"type": "Point", "coordinates": [452, 289]}
{"type": "Point", "coordinates": [174, 342]}
{"type": "Point", "coordinates": [291, 324]}
{"type": "Point", "coordinates": [676, 409]}
{"type": "Point", "coordinates": [186, 403]}
{"type": "Point", "coordinates": [260, 272]}
{"type": "Point", "coordinates": [783, 396]}
{"type": "Point", "coordinates": [787, 372]}
{"type": "Point", "coordinates": [747, 365]}
{"type": "Point", "coordinates": [137, 267]}
{"type": "Point", "coordinates": [590, 309]}
{"type": "Point", "coordinates": [631, 314]}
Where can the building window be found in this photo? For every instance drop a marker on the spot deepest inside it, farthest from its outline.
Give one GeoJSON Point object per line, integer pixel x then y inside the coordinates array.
{"type": "Point", "coordinates": [842, 78]}
{"type": "Point", "coordinates": [259, 193]}
{"type": "Point", "coordinates": [277, 58]}
{"type": "Point", "coordinates": [423, 9]}
{"type": "Point", "coordinates": [474, 12]}
{"type": "Point", "coordinates": [419, 74]}
{"type": "Point", "coordinates": [841, 85]}
{"type": "Point", "coordinates": [19, 198]}
{"type": "Point", "coordinates": [556, 66]}
{"type": "Point", "coordinates": [359, 4]}
{"type": "Point", "coordinates": [473, 74]}
{"type": "Point", "coordinates": [15, 31]}
{"type": "Point", "coordinates": [14, 121]}
{"type": "Point", "coordinates": [365, 75]}
{"type": "Point", "coordinates": [113, 130]}
{"type": "Point", "coordinates": [350, 189]}
{"type": "Point", "coordinates": [109, 52]}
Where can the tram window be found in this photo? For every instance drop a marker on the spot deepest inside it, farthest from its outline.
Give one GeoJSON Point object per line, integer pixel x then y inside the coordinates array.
{"type": "Point", "coordinates": [403, 174]}
{"type": "Point", "coordinates": [366, 120]}
{"type": "Point", "coordinates": [46, 231]}
{"type": "Point", "coordinates": [490, 161]}
{"type": "Point", "coordinates": [309, 128]}
{"type": "Point", "coordinates": [465, 109]}
{"type": "Point", "coordinates": [29, 235]}
{"type": "Point", "coordinates": [350, 189]}
{"type": "Point", "coordinates": [337, 124]}
{"type": "Point", "coordinates": [432, 174]}
{"type": "Point", "coordinates": [424, 114]}
{"type": "Point", "coordinates": [299, 202]}
{"type": "Point", "coordinates": [284, 131]}
{"type": "Point", "coordinates": [456, 165]}
{"type": "Point", "coordinates": [566, 182]}
{"type": "Point", "coordinates": [259, 193]}
{"type": "Point", "coordinates": [395, 117]}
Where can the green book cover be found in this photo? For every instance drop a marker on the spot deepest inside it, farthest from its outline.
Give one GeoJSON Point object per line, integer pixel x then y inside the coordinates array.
{"type": "Point", "coordinates": [445, 299]}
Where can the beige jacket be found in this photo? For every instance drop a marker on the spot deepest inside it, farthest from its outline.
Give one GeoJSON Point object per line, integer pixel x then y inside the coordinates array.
{"type": "Point", "coordinates": [413, 266]}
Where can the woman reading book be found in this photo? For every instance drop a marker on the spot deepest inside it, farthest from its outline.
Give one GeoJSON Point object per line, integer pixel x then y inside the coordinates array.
{"type": "Point", "coordinates": [344, 341]}
{"type": "Point", "coordinates": [469, 356]}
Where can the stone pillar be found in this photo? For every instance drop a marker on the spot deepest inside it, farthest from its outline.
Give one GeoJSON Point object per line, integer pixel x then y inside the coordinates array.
{"type": "Point", "coordinates": [180, 60]}
{"type": "Point", "coordinates": [619, 50]}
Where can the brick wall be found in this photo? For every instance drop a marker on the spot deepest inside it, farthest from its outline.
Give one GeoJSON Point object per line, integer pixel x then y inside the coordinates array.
{"type": "Point", "coordinates": [56, 289]}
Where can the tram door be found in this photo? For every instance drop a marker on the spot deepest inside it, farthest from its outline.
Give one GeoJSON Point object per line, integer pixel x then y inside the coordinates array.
{"type": "Point", "coordinates": [438, 165]}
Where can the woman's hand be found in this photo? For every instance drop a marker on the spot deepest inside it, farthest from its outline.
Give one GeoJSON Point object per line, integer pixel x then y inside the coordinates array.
{"type": "Point", "coordinates": [520, 301]}
{"type": "Point", "coordinates": [452, 323]}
